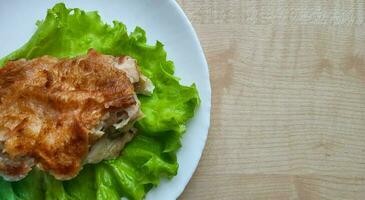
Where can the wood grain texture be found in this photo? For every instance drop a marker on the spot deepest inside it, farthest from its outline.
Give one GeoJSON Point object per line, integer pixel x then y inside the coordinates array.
{"type": "Point", "coordinates": [288, 116]}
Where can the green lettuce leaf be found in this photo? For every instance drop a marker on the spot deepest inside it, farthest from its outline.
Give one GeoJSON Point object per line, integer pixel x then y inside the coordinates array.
{"type": "Point", "coordinates": [148, 157]}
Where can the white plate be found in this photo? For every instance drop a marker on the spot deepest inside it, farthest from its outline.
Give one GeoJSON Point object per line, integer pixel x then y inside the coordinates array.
{"type": "Point", "coordinates": [163, 20]}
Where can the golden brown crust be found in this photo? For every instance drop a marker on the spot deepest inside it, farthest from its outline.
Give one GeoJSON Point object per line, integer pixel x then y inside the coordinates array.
{"type": "Point", "coordinates": [49, 106]}
{"type": "Point", "coordinates": [14, 170]}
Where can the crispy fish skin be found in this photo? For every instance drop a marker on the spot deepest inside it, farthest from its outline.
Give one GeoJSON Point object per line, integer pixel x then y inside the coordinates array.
{"type": "Point", "coordinates": [49, 108]}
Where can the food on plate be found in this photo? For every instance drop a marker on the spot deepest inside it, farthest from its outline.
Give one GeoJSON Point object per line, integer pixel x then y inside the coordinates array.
{"type": "Point", "coordinates": [72, 102]}
{"type": "Point", "coordinates": [58, 114]}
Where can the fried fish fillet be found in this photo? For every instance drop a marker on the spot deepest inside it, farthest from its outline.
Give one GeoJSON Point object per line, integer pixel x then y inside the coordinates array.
{"type": "Point", "coordinates": [58, 114]}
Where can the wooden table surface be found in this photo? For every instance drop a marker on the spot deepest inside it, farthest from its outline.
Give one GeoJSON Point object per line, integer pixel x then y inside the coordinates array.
{"type": "Point", "coordinates": [288, 102]}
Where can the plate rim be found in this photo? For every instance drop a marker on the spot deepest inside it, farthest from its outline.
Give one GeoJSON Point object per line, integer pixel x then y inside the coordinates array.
{"type": "Point", "coordinates": [209, 91]}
